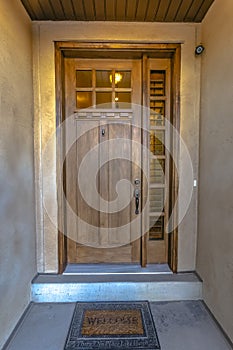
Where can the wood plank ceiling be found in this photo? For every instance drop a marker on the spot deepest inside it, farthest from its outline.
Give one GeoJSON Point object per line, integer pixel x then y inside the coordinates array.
{"type": "Point", "coordinates": [118, 10]}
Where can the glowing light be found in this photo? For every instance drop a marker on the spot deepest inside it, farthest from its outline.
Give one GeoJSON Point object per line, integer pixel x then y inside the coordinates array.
{"type": "Point", "coordinates": [118, 78]}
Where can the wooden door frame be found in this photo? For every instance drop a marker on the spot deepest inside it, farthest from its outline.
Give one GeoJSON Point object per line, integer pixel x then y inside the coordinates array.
{"type": "Point", "coordinates": [91, 49]}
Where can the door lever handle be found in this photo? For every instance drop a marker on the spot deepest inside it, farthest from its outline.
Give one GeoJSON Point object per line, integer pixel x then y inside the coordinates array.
{"type": "Point", "coordinates": [137, 196]}
{"type": "Point", "coordinates": [137, 205]}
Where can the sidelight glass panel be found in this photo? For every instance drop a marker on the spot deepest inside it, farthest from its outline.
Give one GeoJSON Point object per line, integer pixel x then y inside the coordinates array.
{"type": "Point", "coordinates": [157, 83]}
{"type": "Point", "coordinates": [156, 228]}
{"type": "Point", "coordinates": [83, 78]}
{"type": "Point", "coordinates": [158, 102]}
{"type": "Point", "coordinates": [157, 170]}
{"type": "Point", "coordinates": [157, 142]}
{"type": "Point", "coordinates": [156, 200]}
{"type": "Point", "coordinates": [157, 113]}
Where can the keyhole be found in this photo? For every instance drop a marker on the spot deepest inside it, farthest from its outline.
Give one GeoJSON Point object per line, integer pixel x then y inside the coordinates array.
{"type": "Point", "coordinates": [103, 132]}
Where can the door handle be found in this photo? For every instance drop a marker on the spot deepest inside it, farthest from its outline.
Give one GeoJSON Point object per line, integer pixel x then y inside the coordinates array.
{"type": "Point", "coordinates": [137, 196]}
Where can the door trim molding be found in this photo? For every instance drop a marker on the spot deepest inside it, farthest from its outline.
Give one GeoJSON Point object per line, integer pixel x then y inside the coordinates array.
{"type": "Point", "coordinates": [122, 50]}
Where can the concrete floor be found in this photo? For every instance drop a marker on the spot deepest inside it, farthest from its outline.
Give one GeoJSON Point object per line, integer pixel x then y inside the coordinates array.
{"type": "Point", "coordinates": [183, 325]}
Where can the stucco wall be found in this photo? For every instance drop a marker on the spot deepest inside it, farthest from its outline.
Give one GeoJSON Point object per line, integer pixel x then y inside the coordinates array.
{"type": "Point", "coordinates": [44, 84]}
{"type": "Point", "coordinates": [17, 222]}
{"type": "Point", "coordinates": [215, 240]}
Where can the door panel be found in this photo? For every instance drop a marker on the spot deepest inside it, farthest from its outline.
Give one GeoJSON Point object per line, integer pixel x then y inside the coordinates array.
{"type": "Point", "coordinates": [103, 232]}
{"type": "Point", "coordinates": [99, 229]}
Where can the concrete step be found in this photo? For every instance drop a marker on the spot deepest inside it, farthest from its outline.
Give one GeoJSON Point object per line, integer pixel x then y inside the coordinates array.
{"type": "Point", "coordinates": [116, 287]}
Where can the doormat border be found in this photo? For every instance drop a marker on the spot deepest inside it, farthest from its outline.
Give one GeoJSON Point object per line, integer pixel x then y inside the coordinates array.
{"type": "Point", "coordinates": [148, 341]}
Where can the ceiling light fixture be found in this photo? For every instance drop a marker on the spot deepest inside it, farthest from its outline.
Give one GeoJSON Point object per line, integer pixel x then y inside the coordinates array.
{"type": "Point", "coordinates": [118, 78]}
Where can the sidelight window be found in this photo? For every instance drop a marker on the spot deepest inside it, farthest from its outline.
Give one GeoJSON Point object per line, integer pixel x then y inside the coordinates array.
{"type": "Point", "coordinates": [158, 97]}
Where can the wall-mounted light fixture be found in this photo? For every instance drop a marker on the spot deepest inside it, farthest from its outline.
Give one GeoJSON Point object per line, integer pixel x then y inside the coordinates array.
{"type": "Point", "coordinates": [199, 49]}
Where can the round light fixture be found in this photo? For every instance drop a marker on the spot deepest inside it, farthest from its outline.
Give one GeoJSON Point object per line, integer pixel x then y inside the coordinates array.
{"type": "Point", "coordinates": [199, 49]}
{"type": "Point", "coordinates": [118, 78]}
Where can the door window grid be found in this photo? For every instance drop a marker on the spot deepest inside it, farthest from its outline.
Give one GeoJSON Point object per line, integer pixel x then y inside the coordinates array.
{"type": "Point", "coordinates": [103, 89]}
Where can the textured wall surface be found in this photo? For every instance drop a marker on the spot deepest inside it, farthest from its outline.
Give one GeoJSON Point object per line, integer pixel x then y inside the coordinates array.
{"type": "Point", "coordinates": [17, 223]}
{"type": "Point", "coordinates": [215, 240]}
{"type": "Point", "coordinates": [45, 122]}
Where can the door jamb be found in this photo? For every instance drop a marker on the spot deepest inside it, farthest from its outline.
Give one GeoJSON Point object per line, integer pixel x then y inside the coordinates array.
{"type": "Point", "coordinates": [90, 49]}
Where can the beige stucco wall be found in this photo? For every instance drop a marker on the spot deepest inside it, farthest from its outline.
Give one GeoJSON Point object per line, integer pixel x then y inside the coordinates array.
{"type": "Point", "coordinates": [44, 84]}
{"type": "Point", "coordinates": [215, 239]}
{"type": "Point", "coordinates": [17, 218]}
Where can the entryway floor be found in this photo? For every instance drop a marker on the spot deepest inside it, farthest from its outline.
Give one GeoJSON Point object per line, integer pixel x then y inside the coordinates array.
{"type": "Point", "coordinates": [183, 325]}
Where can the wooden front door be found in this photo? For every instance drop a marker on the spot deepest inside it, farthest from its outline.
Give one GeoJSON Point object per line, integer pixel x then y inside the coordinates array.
{"type": "Point", "coordinates": [100, 162]}
{"type": "Point", "coordinates": [103, 157]}
{"type": "Point", "coordinates": [107, 129]}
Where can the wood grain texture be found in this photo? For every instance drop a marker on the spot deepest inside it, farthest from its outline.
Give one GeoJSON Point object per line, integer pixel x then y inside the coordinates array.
{"type": "Point", "coordinates": [152, 10]}
{"type": "Point", "coordinates": [175, 118]}
{"type": "Point", "coordinates": [28, 7]}
{"type": "Point", "coordinates": [111, 255]}
{"type": "Point", "coordinates": [141, 10]}
{"type": "Point", "coordinates": [58, 10]}
{"type": "Point", "coordinates": [183, 10]}
{"type": "Point", "coordinates": [110, 10]}
{"type": "Point", "coordinates": [48, 9]}
{"type": "Point", "coordinates": [106, 225]}
{"type": "Point", "coordinates": [162, 10]}
{"type": "Point", "coordinates": [78, 10]}
{"type": "Point", "coordinates": [68, 10]}
{"type": "Point", "coordinates": [145, 162]}
{"type": "Point", "coordinates": [173, 10]}
{"type": "Point", "coordinates": [89, 10]}
{"type": "Point", "coordinates": [59, 81]}
{"type": "Point", "coordinates": [118, 10]}
{"type": "Point", "coordinates": [38, 9]}
{"type": "Point", "coordinates": [206, 4]}
{"type": "Point", "coordinates": [131, 10]}
{"type": "Point", "coordinates": [100, 10]}
{"type": "Point", "coordinates": [161, 49]}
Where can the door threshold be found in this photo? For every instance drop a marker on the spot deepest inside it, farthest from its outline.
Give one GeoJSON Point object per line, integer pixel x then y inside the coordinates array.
{"type": "Point", "coordinates": [116, 269]}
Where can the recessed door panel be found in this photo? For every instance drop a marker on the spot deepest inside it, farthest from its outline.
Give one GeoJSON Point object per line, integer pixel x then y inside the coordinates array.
{"type": "Point", "coordinates": [102, 163]}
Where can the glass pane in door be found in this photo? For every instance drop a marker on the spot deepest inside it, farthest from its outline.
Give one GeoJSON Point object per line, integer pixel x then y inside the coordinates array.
{"type": "Point", "coordinates": [83, 99]}
{"type": "Point", "coordinates": [83, 78]}
{"type": "Point", "coordinates": [103, 79]}
{"type": "Point", "coordinates": [103, 100]}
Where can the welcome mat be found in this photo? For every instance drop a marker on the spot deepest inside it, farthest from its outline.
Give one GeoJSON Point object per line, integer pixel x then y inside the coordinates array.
{"type": "Point", "coordinates": [112, 325]}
